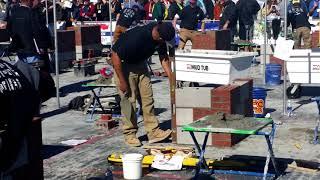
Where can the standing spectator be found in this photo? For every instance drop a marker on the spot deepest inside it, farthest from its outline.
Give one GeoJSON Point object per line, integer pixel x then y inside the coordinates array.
{"type": "Point", "coordinates": [102, 10]}
{"type": "Point", "coordinates": [76, 6]}
{"type": "Point", "coordinates": [229, 17]}
{"type": "Point", "coordinates": [273, 19]}
{"type": "Point", "coordinates": [27, 42]}
{"type": "Point", "coordinates": [298, 18]}
{"type": "Point", "coordinates": [127, 18]}
{"type": "Point", "coordinates": [175, 9]}
{"type": "Point", "coordinates": [190, 16]}
{"type": "Point", "coordinates": [115, 9]}
{"type": "Point", "coordinates": [313, 9]}
{"type": "Point", "coordinates": [209, 8]}
{"type": "Point", "coordinates": [19, 105]}
{"type": "Point", "coordinates": [148, 9]}
{"type": "Point", "coordinates": [87, 11]}
{"type": "Point", "coordinates": [3, 9]}
{"type": "Point", "coordinates": [217, 10]}
{"type": "Point", "coordinates": [246, 10]}
{"type": "Point", "coordinates": [158, 10]}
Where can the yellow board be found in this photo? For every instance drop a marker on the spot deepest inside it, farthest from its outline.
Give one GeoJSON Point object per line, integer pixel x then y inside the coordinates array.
{"type": "Point", "coordinates": [187, 162]}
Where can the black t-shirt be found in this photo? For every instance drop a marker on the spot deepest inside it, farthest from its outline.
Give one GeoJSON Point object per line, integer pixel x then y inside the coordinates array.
{"type": "Point", "coordinates": [24, 26]}
{"type": "Point", "coordinates": [102, 10]}
{"type": "Point", "coordinates": [190, 17]}
{"type": "Point", "coordinates": [127, 17]}
{"type": "Point", "coordinates": [19, 103]}
{"type": "Point", "coordinates": [298, 17]}
{"type": "Point", "coordinates": [137, 45]}
{"type": "Point", "coordinates": [173, 10]}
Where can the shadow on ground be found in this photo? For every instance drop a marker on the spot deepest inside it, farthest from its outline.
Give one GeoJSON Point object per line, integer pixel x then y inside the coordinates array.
{"type": "Point", "coordinates": [55, 112]}
{"type": "Point", "coordinates": [75, 87]}
{"type": "Point", "coordinates": [49, 151]}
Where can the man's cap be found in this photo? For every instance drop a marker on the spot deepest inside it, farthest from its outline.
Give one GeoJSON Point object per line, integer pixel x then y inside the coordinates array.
{"type": "Point", "coordinates": [295, 1]}
{"type": "Point", "coordinates": [192, 1]}
{"type": "Point", "coordinates": [166, 31]}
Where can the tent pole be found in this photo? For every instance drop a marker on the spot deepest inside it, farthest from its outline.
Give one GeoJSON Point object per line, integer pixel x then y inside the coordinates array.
{"type": "Point", "coordinates": [265, 44]}
{"type": "Point", "coordinates": [56, 52]}
{"type": "Point", "coordinates": [110, 17]}
{"type": "Point", "coordinates": [285, 62]}
{"type": "Point", "coordinates": [47, 16]}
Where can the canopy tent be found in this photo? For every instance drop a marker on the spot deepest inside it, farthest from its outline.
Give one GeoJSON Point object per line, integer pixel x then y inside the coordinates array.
{"type": "Point", "coordinates": [264, 58]}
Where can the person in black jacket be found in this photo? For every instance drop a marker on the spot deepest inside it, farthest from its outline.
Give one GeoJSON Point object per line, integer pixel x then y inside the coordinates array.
{"type": "Point", "coordinates": [229, 17]}
{"type": "Point", "coordinates": [27, 42]}
{"type": "Point", "coordinates": [298, 18]}
{"type": "Point", "coordinates": [102, 11]}
{"type": "Point", "coordinates": [19, 159]}
{"type": "Point", "coordinates": [246, 10]}
{"type": "Point", "coordinates": [175, 8]}
{"type": "Point", "coordinates": [209, 8]}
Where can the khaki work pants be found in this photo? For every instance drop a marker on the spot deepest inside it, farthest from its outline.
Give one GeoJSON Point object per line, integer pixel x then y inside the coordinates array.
{"type": "Point", "coordinates": [117, 32]}
{"type": "Point", "coordinates": [302, 33]}
{"type": "Point", "coordinates": [186, 35]}
{"type": "Point", "coordinates": [139, 82]}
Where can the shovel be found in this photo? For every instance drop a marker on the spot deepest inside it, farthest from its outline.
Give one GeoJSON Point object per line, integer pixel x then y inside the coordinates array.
{"type": "Point", "coordinates": [126, 107]}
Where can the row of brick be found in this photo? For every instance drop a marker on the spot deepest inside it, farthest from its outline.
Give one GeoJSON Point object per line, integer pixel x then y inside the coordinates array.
{"type": "Point", "coordinates": [235, 98]}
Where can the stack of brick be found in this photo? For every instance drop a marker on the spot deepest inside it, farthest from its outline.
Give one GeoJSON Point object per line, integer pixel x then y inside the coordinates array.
{"type": "Point", "coordinates": [212, 40]}
{"type": "Point", "coordinates": [88, 38]}
{"type": "Point", "coordinates": [195, 103]}
{"type": "Point", "coordinates": [66, 48]}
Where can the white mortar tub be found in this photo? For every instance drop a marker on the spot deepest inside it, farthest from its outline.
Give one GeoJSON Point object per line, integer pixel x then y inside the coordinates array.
{"type": "Point", "coordinates": [303, 67]}
{"type": "Point", "coordinates": [132, 166]}
{"type": "Point", "coordinates": [212, 66]}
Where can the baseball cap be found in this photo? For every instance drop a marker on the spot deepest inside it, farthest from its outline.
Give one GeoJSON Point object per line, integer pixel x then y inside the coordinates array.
{"type": "Point", "coordinates": [166, 31]}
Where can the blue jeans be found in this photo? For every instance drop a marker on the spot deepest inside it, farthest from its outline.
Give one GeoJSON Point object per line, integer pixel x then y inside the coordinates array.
{"type": "Point", "coordinates": [28, 58]}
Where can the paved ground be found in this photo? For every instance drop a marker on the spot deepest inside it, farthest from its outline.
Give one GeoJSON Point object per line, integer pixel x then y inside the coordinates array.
{"type": "Point", "coordinates": [89, 160]}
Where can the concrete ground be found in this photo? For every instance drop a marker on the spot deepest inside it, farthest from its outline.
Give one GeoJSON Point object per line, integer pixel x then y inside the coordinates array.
{"type": "Point", "coordinates": [292, 141]}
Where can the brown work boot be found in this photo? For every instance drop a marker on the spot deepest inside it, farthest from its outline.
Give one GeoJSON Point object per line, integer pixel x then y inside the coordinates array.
{"type": "Point", "coordinates": [159, 135]}
{"type": "Point", "coordinates": [132, 140]}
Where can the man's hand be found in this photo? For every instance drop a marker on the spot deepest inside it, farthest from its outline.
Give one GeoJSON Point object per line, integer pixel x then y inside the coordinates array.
{"type": "Point", "coordinates": [123, 86]}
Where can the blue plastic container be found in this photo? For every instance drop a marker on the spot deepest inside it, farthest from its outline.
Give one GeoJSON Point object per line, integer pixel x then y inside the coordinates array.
{"type": "Point", "coordinates": [273, 74]}
{"type": "Point", "coordinates": [259, 101]}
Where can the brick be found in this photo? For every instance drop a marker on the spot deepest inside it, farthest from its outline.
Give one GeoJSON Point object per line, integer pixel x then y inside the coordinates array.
{"type": "Point", "coordinates": [185, 137]}
{"type": "Point", "coordinates": [190, 97]}
{"type": "Point", "coordinates": [214, 40]}
{"type": "Point", "coordinates": [201, 112]}
{"type": "Point", "coordinates": [184, 116]}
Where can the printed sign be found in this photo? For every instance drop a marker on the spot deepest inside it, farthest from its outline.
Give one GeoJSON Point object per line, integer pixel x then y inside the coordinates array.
{"type": "Point", "coordinates": [258, 106]}
{"type": "Point", "coordinates": [196, 67]}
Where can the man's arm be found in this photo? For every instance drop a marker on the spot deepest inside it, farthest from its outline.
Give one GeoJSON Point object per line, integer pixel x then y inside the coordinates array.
{"type": "Point", "coordinates": [164, 60]}
{"type": "Point", "coordinates": [313, 7]}
{"type": "Point", "coordinates": [117, 65]}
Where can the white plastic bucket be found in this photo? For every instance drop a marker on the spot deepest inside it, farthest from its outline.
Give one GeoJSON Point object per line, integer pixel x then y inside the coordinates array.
{"type": "Point", "coordinates": [132, 166]}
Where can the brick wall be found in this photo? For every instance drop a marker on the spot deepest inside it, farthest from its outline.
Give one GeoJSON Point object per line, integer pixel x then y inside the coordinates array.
{"type": "Point", "coordinates": [213, 40]}
{"type": "Point", "coordinates": [235, 98]}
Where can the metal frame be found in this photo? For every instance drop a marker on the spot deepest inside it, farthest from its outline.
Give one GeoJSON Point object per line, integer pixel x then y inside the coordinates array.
{"type": "Point", "coordinates": [202, 167]}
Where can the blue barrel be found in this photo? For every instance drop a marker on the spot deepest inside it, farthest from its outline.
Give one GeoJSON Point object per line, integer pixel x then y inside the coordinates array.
{"type": "Point", "coordinates": [273, 74]}
{"type": "Point", "coordinates": [259, 101]}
